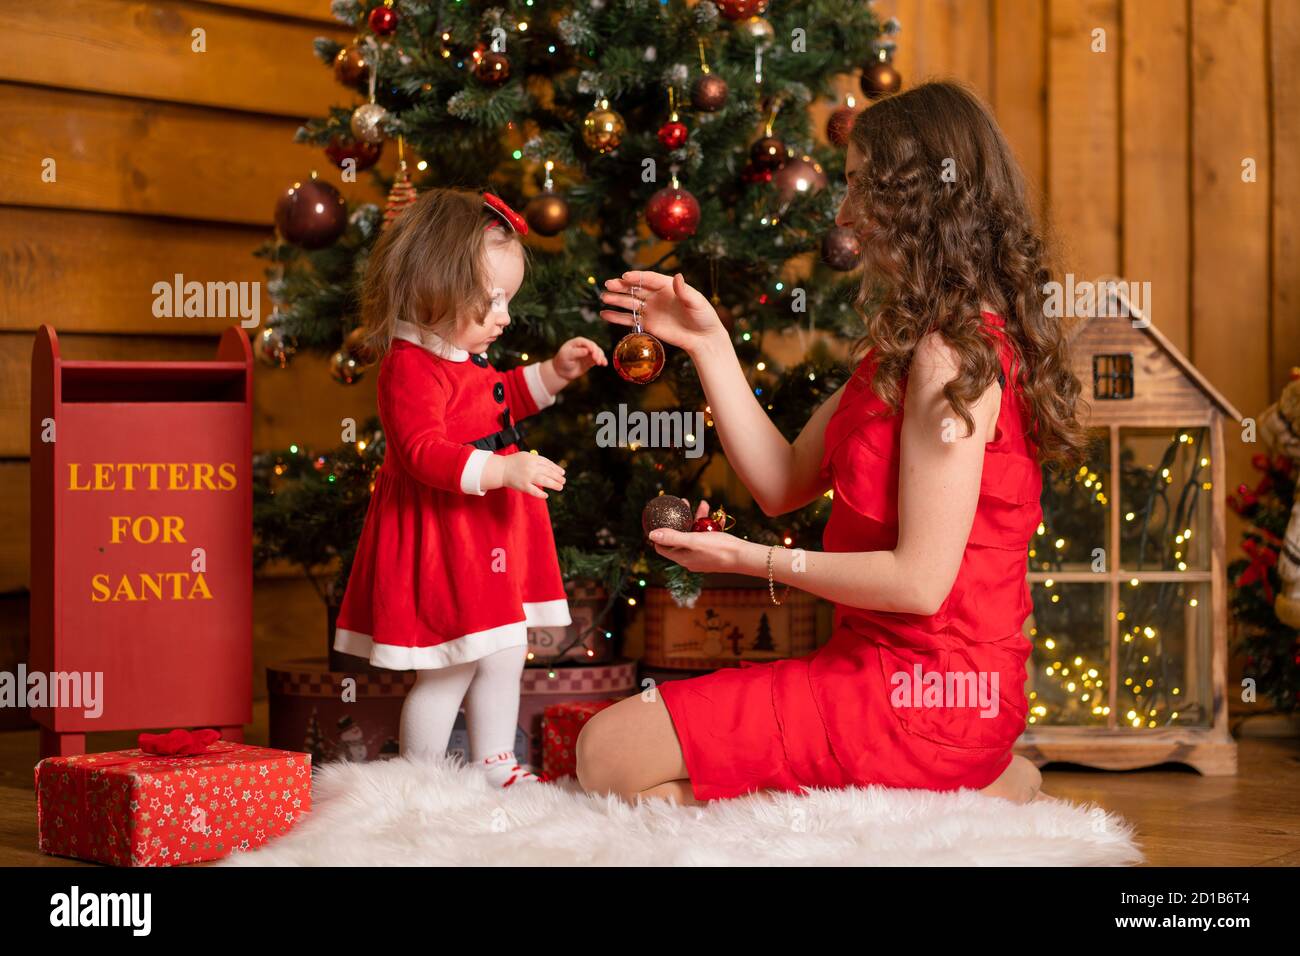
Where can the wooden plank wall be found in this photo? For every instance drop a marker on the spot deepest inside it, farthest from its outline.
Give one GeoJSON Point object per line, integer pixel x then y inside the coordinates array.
{"type": "Point", "coordinates": [168, 161]}
{"type": "Point", "coordinates": [1138, 152]}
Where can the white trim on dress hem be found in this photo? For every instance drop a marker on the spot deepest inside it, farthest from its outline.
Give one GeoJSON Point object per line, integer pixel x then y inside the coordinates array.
{"type": "Point", "coordinates": [460, 650]}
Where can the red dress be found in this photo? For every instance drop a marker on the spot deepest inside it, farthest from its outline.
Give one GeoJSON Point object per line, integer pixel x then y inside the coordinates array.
{"type": "Point", "coordinates": [445, 573]}
{"type": "Point", "coordinates": [833, 718]}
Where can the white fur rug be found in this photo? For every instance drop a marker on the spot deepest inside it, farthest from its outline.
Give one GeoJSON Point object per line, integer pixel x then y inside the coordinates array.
{"type": "Point", "coordinates": [400, 813]}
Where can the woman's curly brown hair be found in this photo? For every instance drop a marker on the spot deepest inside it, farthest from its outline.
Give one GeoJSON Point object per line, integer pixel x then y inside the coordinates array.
{"type": "Point", "coordinates": [945, 226]}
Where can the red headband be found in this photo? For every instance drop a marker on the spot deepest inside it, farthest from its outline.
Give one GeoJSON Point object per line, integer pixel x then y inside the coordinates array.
{"type": "Point", "coordinates": [512, 218]}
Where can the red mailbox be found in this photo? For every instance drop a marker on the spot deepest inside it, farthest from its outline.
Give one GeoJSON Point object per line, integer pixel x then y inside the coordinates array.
{"type": "Point", "coordinates": [141, 535]}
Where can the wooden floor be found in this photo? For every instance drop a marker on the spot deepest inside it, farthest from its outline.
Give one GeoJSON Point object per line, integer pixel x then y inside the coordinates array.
{"type": "Point", "coordinates": [1182, 818]}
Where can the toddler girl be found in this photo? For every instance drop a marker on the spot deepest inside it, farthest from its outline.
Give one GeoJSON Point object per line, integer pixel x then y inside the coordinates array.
{"type": "Point", "coordinates": [456, 560]}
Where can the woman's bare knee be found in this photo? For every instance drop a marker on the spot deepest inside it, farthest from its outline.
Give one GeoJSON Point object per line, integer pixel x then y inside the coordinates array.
{"type": "Point", "coordinates": [593, 752]}
{"type": "Point", "coordinates": [628, 748]}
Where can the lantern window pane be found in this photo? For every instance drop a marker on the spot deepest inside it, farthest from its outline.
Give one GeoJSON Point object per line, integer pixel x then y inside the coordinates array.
{"type": "Point", "coordinates": [1075, 532]}
{"type": "Point", "coordinates": [1165, 499]}
{"type": "Point", "coordinates": [1069, 669]}
{"type": "Point", "coordinates": [1164, 655]}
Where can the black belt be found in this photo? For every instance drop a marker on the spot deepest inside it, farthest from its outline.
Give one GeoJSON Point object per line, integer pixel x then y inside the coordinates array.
{"type": "Point", "coordinates": [498, 440]}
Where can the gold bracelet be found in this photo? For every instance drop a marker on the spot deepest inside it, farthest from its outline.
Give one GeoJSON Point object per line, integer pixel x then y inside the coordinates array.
{"type": "Point", "coordinates": [771, 579]}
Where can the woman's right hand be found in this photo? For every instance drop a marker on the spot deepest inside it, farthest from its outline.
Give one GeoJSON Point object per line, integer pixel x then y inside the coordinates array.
{"type": "Point", "coordinates": [670, 309]}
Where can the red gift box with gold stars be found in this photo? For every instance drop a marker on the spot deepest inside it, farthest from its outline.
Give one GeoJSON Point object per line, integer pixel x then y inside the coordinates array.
{"type": "Point", "coordinates": [131, 808]}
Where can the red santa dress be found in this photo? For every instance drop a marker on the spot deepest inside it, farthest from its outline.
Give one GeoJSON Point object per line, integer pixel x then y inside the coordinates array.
{"type": "Point", "coordinates": [832, 718]}
{"type": "Point", "coordinates": [446, 573]}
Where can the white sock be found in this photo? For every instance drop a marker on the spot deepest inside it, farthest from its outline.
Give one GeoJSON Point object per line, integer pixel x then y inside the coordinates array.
{"type": "Point", "coordinates": [492, 716]}
{"type": "Point", "coordinates": [503, 770]}
{"type": "Point", "coordinates": [429, 713]}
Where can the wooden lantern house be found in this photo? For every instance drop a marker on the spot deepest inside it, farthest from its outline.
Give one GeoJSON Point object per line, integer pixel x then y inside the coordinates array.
{"type": "Point", "coordinates": [1127, 572]}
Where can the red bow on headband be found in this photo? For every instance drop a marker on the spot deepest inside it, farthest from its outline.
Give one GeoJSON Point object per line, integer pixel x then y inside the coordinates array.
{"type": "Point", "coordinates": [500, 207]}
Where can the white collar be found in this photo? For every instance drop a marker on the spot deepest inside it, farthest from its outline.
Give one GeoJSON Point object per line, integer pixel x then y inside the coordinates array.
{"type": "Point", "coordinates": [430, 341]}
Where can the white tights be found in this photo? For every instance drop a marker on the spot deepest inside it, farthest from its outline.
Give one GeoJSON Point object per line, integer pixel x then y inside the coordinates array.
{"type": "Point", "coordinates": [490, 688]}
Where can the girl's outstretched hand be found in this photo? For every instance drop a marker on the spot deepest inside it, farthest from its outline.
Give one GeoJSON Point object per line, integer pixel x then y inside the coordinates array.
{"type": "Point", "coordinates": [670, 308]}
{"type": "Point", "coordinates": [576, 358]}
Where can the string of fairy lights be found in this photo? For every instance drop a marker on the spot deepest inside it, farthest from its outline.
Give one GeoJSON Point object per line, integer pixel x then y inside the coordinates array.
{"type": "Point", "coordinates": [1158, 533]}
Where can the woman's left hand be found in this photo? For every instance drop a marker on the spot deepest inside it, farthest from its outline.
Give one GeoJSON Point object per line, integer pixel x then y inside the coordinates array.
{"type": "Point", "coordinates": [576, 357]}
{"type": "Point", "coordinates": [705, 551]}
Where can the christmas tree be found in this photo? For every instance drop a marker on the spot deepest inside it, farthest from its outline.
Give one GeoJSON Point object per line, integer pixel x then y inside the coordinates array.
{"type": "Point", "coordinates": [1269, 645]}
{"type": "Point", "coordinates": [670, 135]}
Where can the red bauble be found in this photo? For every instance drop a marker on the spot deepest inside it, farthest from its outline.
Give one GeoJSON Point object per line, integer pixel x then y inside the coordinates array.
{"type": "Point", "coordinates": [311, 214]}
{"type": "Point", "coordinates": [673, 213]}
{"type": "Point", "coordinates": [492, 69]}
{"type": "Point", "coordinates": [768, 153]}
{"type": "Point", "coordinates": [705, 524]}
{"type": "Point", "coordinates": [741, 9]}
{"type": "Point", "coordinates": [382, 20]}
{"type": "Point", "coordinates": [840, 125]}
{"type": "Point", "coordinates": [343, 148]}
{"type": "Point", "coordinates": [673, 134]}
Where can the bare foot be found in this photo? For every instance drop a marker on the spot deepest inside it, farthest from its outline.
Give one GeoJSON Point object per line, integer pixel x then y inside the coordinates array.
{"type": "Point", "coordinates": [1019, 783]}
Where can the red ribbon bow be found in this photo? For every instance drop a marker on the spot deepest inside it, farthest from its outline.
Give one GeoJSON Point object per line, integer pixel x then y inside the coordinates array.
{"type": "Point", "coordinates": [502, 209]}
{"type": "Point", "coordinates": [1262, 558]}
{"type": "Point", "coordinates": [179, 743]}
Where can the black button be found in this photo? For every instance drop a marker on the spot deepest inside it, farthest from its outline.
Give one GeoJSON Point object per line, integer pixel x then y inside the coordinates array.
{"type": "Point", "coordinates": [479, 360]}
{"type": "Point", "coordinates": [499, 392]}
{"type": "Point", "coordinates": [505, 418]}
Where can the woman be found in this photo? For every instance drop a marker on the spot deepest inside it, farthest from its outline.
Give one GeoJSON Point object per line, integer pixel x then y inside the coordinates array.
{"type": "Point", "coordinates": [933, 450]}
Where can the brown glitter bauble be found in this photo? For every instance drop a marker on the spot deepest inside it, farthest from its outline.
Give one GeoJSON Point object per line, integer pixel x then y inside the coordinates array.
{"type": "Point", "coordinates": [802, 176]}
{"type": "Point", "coordinates": [351, 68]}
{"type": "Point", "coordinates": [709, 93]}
{"type": "Point", "coordinates": [547, 214]}
{"type": "Point", "coordinates": [879, 78]}
{"type": "Point", "coordinates": [639, 358]}
{"type": "Point", "coordinates": [841, 249]}
{"type": "Point", "coordinates": [667, 511]}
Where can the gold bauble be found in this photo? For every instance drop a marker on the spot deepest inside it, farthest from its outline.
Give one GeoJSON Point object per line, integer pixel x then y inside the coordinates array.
{"type": "Point", "coordinates": [603, 129]}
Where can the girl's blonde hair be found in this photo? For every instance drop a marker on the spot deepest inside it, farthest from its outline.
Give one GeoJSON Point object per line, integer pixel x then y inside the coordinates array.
{"type": "Point", "coordinates": [428, 266]}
